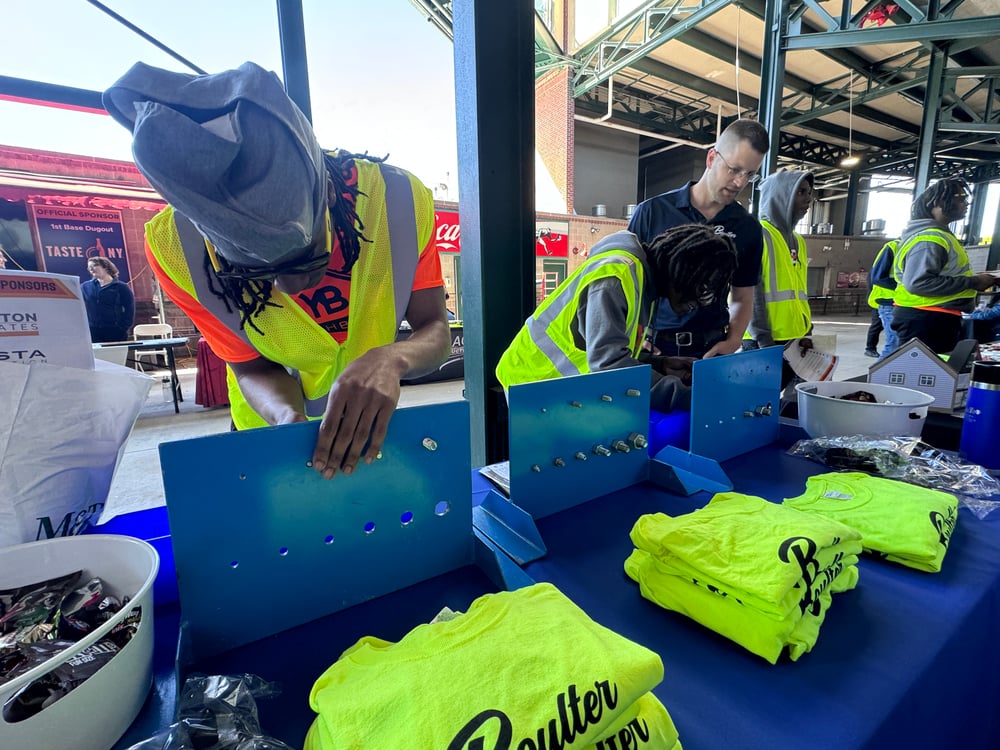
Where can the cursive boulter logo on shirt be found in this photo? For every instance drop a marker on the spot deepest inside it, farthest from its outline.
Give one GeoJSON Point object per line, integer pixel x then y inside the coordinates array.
{"type": "Point", "coordinates": [802, 551]}
{"type": "Point", "coordinates": [575, 714]}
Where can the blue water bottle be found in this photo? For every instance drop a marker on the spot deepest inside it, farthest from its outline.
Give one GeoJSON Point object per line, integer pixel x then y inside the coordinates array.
{"type": "Point", "coordinates": [981, 425]}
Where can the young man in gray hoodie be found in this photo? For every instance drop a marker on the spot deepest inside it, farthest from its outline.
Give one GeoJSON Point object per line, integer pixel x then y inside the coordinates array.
{"type": "Point", "coordinates": [935, 282]}
{"type": "Point", "coordinates": [781, 299]}
{"type": "Point", "coordinates": [597, 318]}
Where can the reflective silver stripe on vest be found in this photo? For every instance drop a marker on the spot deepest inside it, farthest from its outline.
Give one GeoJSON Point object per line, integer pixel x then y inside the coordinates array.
{"type": "Point", "coordinates": [538, 328]}
{"type": "Point", "coordinates": [786, 294]}
{"type": "Point", "coordinates": [193, 247]}
{"type": "Point", "coordinates": [402, 220]}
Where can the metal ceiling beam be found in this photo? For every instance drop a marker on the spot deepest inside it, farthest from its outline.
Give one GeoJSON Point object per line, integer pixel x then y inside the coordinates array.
{"type": "Point", "coordinates": [38, 92]}
{"type": "Point", "coordinates": [983, 27]}
{"type": "Point", "coordinates": [594, 73]}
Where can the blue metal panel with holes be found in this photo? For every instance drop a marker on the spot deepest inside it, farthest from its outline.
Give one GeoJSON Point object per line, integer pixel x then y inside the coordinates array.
{"type": "Point", "coordinates": [734, 403]}
{"type": "Point", "coordinates": [263, 543]}
{"type": "Point", "coordinates": [576, 438]}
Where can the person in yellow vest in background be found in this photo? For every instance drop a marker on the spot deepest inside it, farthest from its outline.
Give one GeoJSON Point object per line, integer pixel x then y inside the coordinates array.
{"type": "Point", "coordinates": [598, 317]}
{"type": "Point", "coordinates": [781, 312]}
{"type": "Point", "coordinates": [297, 265]}
{"type": "Point", "coordinates": [935, 283]}
{"type": "Point", "coordinates": [882, 287]}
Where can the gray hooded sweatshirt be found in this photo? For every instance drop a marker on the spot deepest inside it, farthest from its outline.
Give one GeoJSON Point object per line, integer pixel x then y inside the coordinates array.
{"type": "Point", "coordinates": [930, 271]}
{"type": "Point", "coordinates": [777, 199]}
{"type": "Point", "coordinates": [600, 325]}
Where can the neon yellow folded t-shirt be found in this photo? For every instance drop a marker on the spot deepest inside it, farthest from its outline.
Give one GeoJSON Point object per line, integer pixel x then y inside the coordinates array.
{"type": "Point", "coordinates": [900, 522]}
{"type": "Point", "coordinates": [773, 555]}
{"type": "Point", "coordinates": [723, 611]}
{"type": "Point", "coordinates": [519, 669]}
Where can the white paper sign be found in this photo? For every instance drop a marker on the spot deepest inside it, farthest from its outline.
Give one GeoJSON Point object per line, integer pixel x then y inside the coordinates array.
{"type": "Point", "coordinates": [43, 320]}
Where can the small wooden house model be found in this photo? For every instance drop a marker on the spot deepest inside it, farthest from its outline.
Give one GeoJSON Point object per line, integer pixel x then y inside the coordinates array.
{"type": "Point", "coordinates": [913, 365]}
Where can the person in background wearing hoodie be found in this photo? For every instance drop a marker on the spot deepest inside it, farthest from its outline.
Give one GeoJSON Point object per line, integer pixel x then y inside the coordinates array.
{"type": "Point", "coordinates": [935, 282]}
{"type": "Point", "coordinates": [781, 312]}
{"type": "Point", "coordinates": [595, 320]}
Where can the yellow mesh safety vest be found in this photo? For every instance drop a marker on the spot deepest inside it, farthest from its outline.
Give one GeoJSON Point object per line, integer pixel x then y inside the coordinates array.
{"type": "Point", "coordinates": [786, 285]}
{"type": "Point", "coordinates": [881, 292]}
{"type": "Point", "coordinates": [288, 335]}
{"type": "Point", "coordinates": [956, 265]}
{"type": "Point", "coordinates": [544, 348]}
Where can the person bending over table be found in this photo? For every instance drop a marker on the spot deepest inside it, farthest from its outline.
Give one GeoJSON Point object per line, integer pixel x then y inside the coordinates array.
{"type": "Point", "coordinates": [596, 319]}
{"type": "Point", "coordinates": [297, 265]}
{"type": "Point", "coordinates": [729, 166]}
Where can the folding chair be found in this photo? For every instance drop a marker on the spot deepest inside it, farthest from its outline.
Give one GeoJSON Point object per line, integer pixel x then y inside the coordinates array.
{"type": "Point", "coordinates": [150, 331]}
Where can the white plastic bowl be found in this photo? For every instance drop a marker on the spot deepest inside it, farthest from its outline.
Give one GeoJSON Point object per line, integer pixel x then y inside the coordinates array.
{"type": "Point", "coordinates": [898, 411]}
{"type": "Point", "coordinates": [97, 713]}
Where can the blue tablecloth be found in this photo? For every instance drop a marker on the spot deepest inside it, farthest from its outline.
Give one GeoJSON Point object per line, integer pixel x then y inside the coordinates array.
{"type": "Point", "coordinates": [907, 659]}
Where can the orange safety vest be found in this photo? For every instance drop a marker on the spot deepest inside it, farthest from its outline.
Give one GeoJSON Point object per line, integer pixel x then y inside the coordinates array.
{"type": "Point", "coordinates": [397, 212]}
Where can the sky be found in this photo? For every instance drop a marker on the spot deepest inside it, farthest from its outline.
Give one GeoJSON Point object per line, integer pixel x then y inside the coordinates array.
{"type": "Point", "coordinates": [381, 76]}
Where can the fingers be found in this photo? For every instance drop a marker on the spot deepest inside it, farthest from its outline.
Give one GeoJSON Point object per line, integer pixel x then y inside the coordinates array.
{"type": "Point", "coordinates": [354, 419]}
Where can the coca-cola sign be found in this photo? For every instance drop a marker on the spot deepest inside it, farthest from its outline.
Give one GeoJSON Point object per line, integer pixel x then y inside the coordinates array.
{"type": "Point", "coordinates": [447, 232]}
{"type": "Point", "coordinates": [550, 241]}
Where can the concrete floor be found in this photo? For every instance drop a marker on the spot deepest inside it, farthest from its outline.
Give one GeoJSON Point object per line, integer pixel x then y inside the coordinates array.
{"type": "Point", "coordinates": [138, 484]}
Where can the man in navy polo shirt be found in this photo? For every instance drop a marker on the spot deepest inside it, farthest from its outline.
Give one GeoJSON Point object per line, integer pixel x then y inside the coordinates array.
{"type": "Point", "coordinates": [730, 165]}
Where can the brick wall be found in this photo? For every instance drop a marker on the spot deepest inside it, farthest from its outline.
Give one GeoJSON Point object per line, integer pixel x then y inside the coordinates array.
{"type": "Point", "coordinates": [554, 129]}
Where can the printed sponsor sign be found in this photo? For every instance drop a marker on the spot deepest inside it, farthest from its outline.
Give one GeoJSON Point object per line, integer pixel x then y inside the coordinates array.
{"type": "Point", "coordinates": [551, 238]}
{"type": "Point", "coordinates": [43, 320]}
{"type": "Point", "coordinates": [70, 236]}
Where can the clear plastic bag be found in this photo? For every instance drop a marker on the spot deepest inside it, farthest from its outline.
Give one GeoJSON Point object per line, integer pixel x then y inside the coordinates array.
{"type": "Point", "coordinates": [909, 460]}
{"type": "Point", "coordinates": [217, 712]}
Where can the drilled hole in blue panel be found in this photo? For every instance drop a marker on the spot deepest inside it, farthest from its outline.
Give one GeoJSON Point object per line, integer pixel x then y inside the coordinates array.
{"type": "Point", "coordinates": [442, 508]}
{"type": "Point", "coordinates": [406, 519]}
{"type": "Point", "coordinates": [243, 476]}
{"type": "Point", "coordinates": [370, 527]}
{"type": "Point", "coordinates": [328, 539]}
{"type": "Point", "coordinates": [234, 564]}
{"type": "Point", "coordinates": [283, 551]}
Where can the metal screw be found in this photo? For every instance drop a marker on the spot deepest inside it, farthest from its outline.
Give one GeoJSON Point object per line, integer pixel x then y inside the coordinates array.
{"type": "Point", "coordinates": [580, 456]}
{"type": "Point", "coordinates": [748, 414]}
{"type": "Point", "coordinates": [638, 441]}
{"type": "Point", "coordinates": [576, 404]}
{"type": "Point", "coordinates": [558, 462]}
{"type": "Point", "coordinates": [764, 411]}
{"type": "Point", "coordinates": [430, 444]}
{"type": "Point", "coordinates": [600, 450]}
{"type": "Point", "coordinates": [606, 397]}
{"type": "Point", "coordinates": [621, 446]}
{"type": "Point", "coordinates": [536, 468]}
{"type": "Point", "coordinates": [633, 392]}
{"type": "Point", "coordinates": [544, 410]}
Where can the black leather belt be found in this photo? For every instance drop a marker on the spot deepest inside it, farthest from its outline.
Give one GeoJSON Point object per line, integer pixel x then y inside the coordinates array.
{"type": "Point", "coordinates": [687, 343]}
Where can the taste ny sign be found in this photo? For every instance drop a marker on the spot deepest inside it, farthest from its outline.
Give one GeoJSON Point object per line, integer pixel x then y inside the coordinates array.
{"type": "Point", "coordinates": [70, 236]}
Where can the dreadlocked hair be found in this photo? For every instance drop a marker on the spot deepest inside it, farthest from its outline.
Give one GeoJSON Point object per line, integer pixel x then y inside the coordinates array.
{"type": "Point", "coordinates": [251, 297]}
{"type": "Point", "coordinates": [692, 259]}
{"type": "Point", "coordinates": [247, 296]}
{"type": "Point", "coordinates": [940, 194]}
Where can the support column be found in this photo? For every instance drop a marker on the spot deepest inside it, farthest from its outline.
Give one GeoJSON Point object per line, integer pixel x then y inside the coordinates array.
{"type": "Point", "coordinates": [494, 103]}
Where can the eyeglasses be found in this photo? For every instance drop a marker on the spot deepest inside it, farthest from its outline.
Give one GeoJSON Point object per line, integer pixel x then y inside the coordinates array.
{"type": "Point", "coordinates": [291, 268]}
{"type": "Point", "coordinates": [735, 172]}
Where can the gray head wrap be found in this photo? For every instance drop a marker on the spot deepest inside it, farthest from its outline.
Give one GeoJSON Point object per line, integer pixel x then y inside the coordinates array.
{"type": "Point", "coordinates": [231, 152]}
